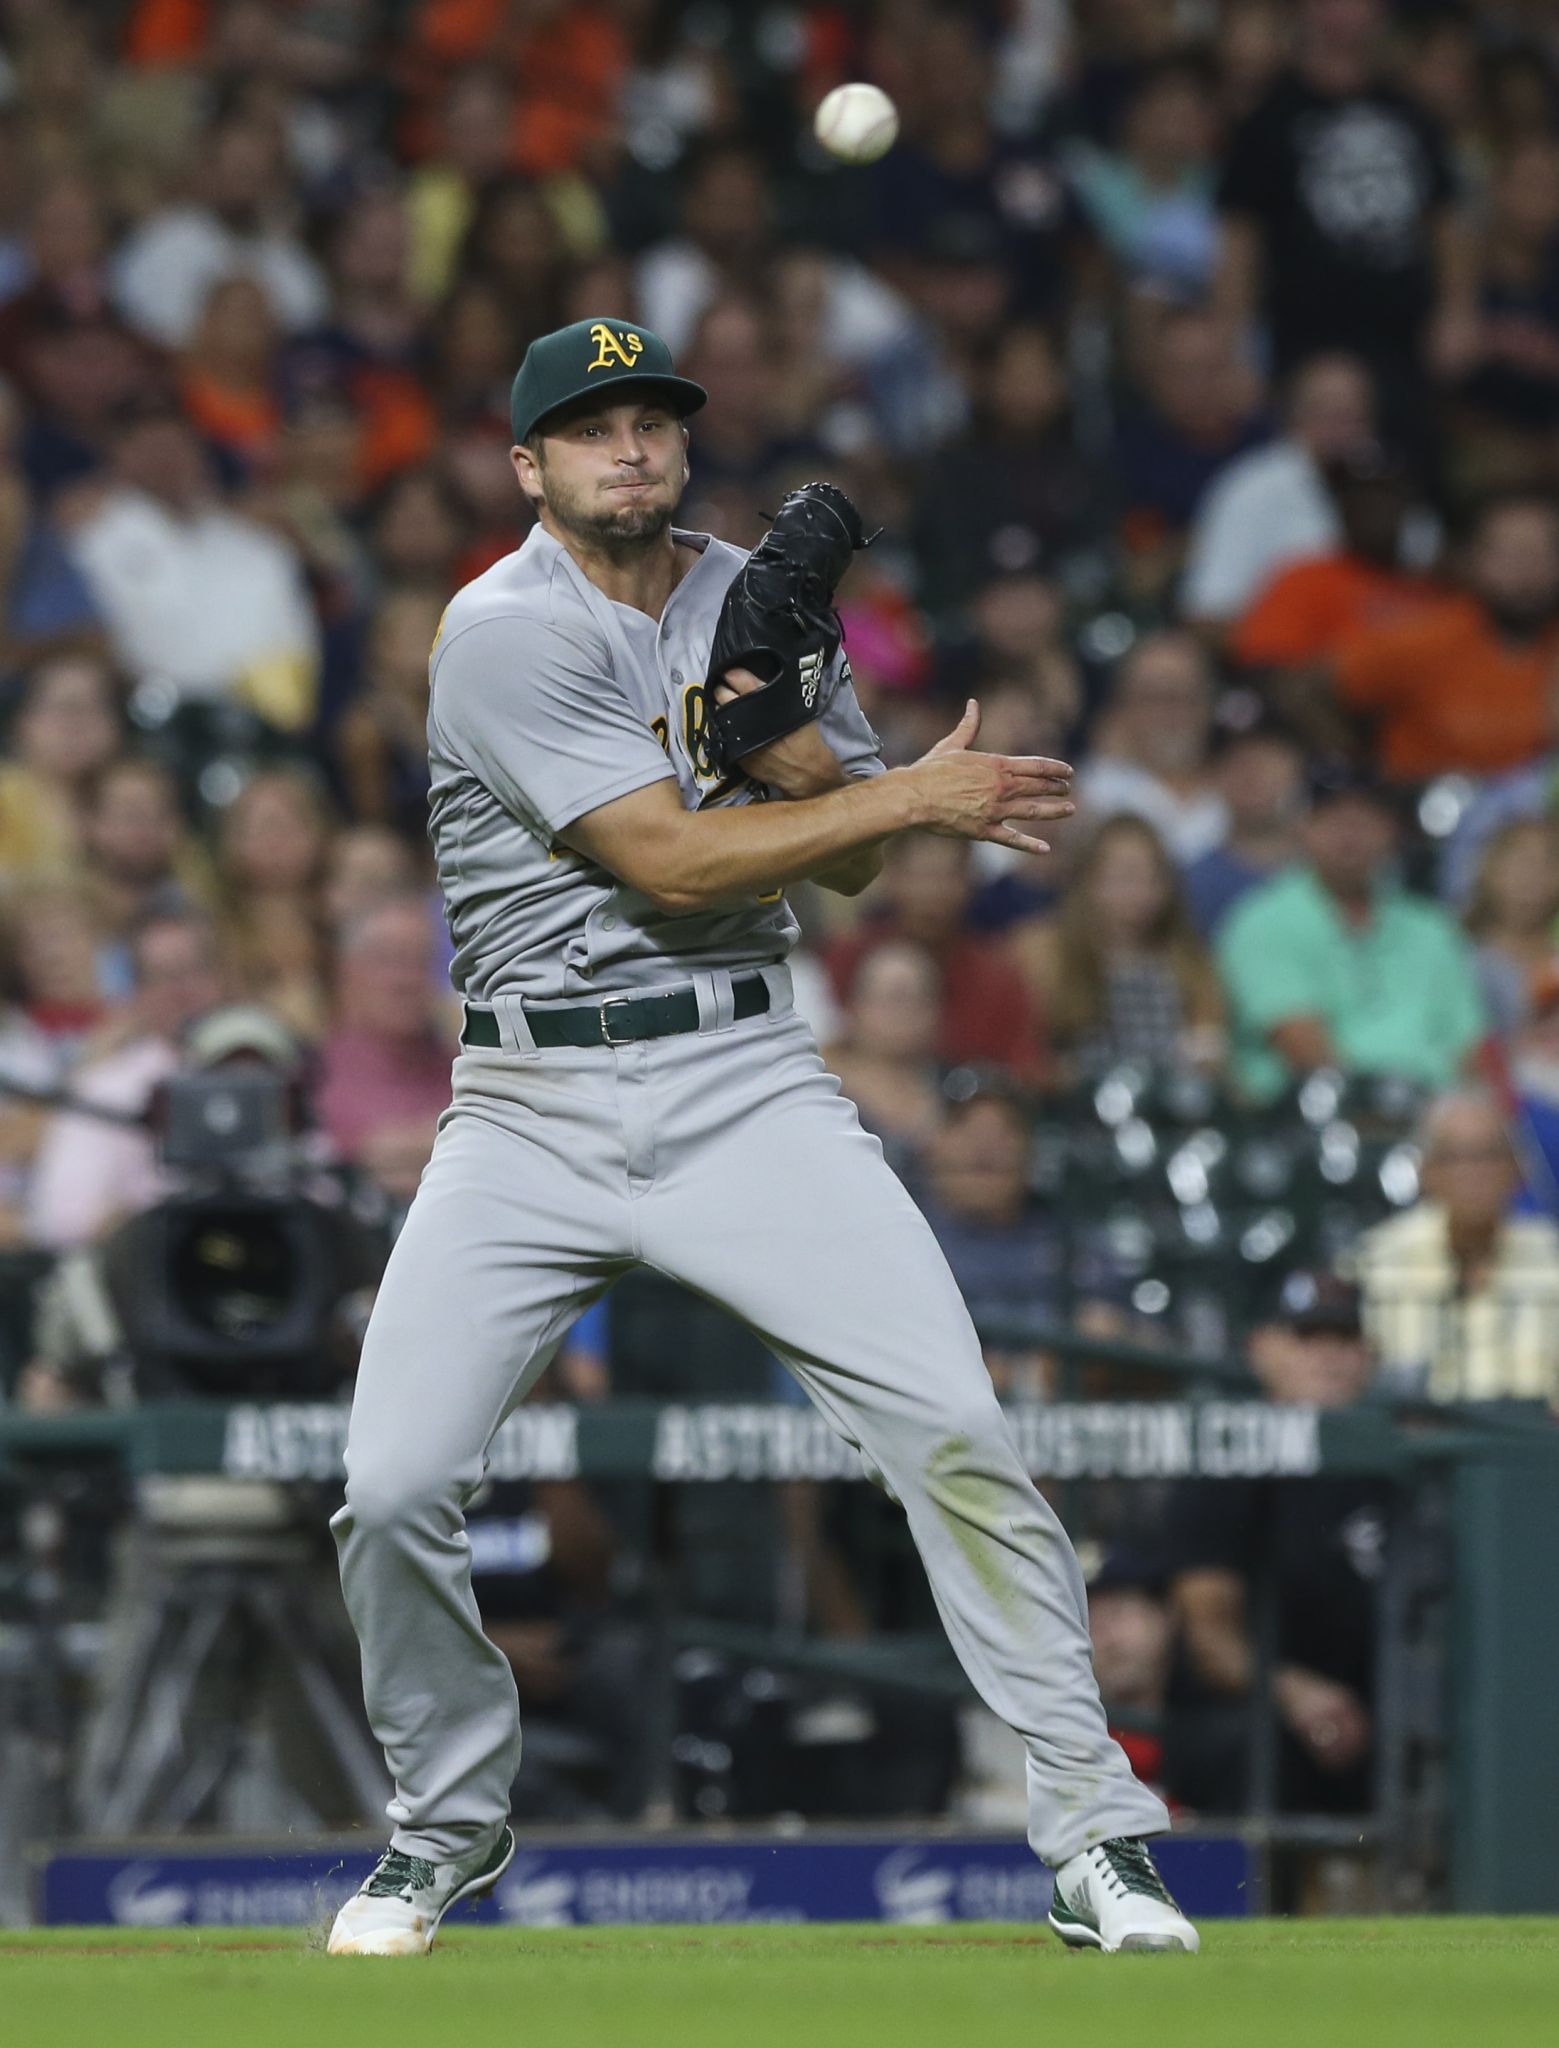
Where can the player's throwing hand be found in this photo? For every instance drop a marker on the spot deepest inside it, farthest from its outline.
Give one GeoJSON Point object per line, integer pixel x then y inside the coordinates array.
{"type": "Point", "coordinates": [967, 795]}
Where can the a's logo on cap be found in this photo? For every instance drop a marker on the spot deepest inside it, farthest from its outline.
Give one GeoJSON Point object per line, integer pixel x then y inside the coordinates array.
{"type": "Point", "coordinates": [619, 347]}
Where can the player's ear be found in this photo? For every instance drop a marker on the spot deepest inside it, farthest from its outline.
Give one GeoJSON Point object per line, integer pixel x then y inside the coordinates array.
{"type": "Point", "coordinates": [527, 468]}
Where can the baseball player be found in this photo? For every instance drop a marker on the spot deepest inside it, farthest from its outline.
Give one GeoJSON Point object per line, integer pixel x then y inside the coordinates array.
{"type": "Point", "coordinates": [639, 737]}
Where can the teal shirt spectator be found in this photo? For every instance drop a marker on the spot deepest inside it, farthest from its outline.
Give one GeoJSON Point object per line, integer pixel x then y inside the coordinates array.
{"type": "Point", "coordinates": [1398, 995]}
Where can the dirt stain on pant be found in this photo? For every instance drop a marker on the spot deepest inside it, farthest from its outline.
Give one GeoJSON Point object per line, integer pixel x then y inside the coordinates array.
{"type": "Point", "coordinates": [976, 1506]}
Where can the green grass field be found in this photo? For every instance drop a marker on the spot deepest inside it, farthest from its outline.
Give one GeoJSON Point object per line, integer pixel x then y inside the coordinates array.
{"type": "Point", "coordinates": [1265, 1984]}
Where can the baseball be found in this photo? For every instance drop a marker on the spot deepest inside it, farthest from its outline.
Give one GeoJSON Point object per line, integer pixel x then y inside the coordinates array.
{"type": "Point", "coordinates": [856, 123]}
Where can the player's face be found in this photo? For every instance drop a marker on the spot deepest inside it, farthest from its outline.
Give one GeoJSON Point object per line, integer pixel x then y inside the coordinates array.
{"type": "Point", "coordinates": [610, 477]}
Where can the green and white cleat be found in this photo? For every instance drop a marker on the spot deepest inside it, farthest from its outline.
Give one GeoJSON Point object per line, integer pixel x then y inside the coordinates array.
{"type": "Point", "coordinates": [1112, 1898]}
{"type": "Point", "coordinates": [397, 1912]}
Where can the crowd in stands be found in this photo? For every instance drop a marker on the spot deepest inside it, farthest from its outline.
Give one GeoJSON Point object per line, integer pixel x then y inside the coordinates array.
{"type": "Point", "coordinates": [1199, 360]}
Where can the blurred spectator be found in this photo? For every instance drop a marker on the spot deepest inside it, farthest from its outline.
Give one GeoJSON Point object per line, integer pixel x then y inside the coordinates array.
{"type": "Point", "coordinates": [139, 853]}
{"type": "Point", "coordinates": [1013, 494]}
{"type": "Point", "coordinates": [1528, 792]}
{"type": "Point", "coordinates": [64, 270]}
{"type": "Point", "coordinates": [472, 353]}
{"type": "Point", "coordinates": [237, 220]}
{"type": "Point", "coordinates": [91, 1173]}
{"type": "Point", "coordinates": [1151, 755]}
{"type": "Point", "coordinates": [1512, 383]}
{"type": "Point", "coordinates": [45, 606]}
{"type": "Point", "coordinates": [1461, 1298]}
{"type": "Point", "coordinates": [1252, 45]}
{"type": "Point", "coordinates": [886, 1057]}
{"type": "Point", "coordinates": [1119, 972]}
{"type": "Point", "coordinates": [858, 344]}
{"type": "Point", "coordinates": [1028, 705]}
{"type": "Point", "coordinates": [1339, 219]}
{"type": "Point", "coordinates": [382, 739]}
{"type": "Point", "coordinates": [1150, 197]}
{"type": "Point", "coordinates": [952, 165]}
{"type": "Point", "coordinates": [383, 1076]}
{"type": "Point", "coordinates": [62, 345]}
{"type": "Point", "coordinates": [1316, 605]}
{"type": "Point", "coordinates": [29, 1060]}
{"type": "Point", "coordinates": [272, 846]}
{"type": "Point", "coordinates": [1317, 1547]}
{"type": "Point", "coordinates": [744, 439]}
{"type": "Point", "coordinates": [514, 244]}
{"type": "Point", "coordinates": [1262, 774]}
{"type": "Point", "coordinates": [568, 65]}
{"type": "Point", "coordinates": [228, 375]}
{"type": "Point", "coordinates": [1018, 623]}
{"type": "Point", "coordinates": [1333, 964]}
{"type": "Point", "coordinates": [418, 530]}
{"type": "Point", "coordinates": [722, 245]}
{"type": "Point", "coordinates": [726, 244]}
{"type": "Point", "coordinates": [194, 593]}
{"type": "Point", "coordinates": [1133, 1639]}
{"type": "Point", "coordinates": [367, 865]}
{"type": "Point", "coordinates": [1467, 684]}
{"type": "Point", "coordinates": [1007, 1257]}
{"type": "Point", "coordinates": [52, 938]}
{"type": "Point", "coordinates": [66, 727]}
{"type": "Point", "coordinates": [475, 126]}
{"type": "Point", "coordinates": [1272, 507]}
{"type": "Point", "coordinates": [541, 1560]}
{"type": "Point", "coordinates": [1196, 413]}
{"type": "Point", "coordinates": [1522, 91]}
{"type": "Point", "coordinates": [368, 349]}
{"type": "Point", "coordinates": [923, 895]}
{"type": "Point", "coordinates": [1441, 66]}
{"type": "Point", "coordinates": [1512, 919]}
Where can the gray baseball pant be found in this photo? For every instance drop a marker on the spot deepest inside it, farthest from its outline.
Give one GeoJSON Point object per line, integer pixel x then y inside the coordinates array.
{"type": "Point", "coordinates": [727, 1159]}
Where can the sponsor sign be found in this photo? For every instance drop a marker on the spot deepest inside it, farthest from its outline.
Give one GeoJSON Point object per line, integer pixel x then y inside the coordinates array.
{"type": "Point", "coordinates": [924, 1882]}
{"type": "Point", "coordinates": [776, 1440]}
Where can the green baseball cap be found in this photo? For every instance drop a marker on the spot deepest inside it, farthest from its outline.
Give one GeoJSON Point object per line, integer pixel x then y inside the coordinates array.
{"type": "Point", "coordinates": [576, 361]}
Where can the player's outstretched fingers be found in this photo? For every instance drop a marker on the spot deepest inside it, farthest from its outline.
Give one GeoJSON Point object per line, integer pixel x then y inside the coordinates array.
{"type": "Point", "coordinates": [1009, 835]}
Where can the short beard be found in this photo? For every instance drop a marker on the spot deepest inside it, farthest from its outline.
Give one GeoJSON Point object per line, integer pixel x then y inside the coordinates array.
{"type": "Point", "coordinates": [622, 534]}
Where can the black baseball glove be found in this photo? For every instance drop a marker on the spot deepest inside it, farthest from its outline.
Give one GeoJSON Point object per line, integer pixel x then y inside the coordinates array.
{"type": "Point", "coordinates": [778, 620]}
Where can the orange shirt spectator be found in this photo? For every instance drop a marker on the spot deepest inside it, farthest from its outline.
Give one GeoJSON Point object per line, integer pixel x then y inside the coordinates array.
{"type": "Point", "coordinates": [1312, 608]}
{"type": "Point", "coordinates": [1447, 693]}
{"type": "Point", "coordinates": [569, 70]}
{"type": "Point", "coordinates": [1469, 683]}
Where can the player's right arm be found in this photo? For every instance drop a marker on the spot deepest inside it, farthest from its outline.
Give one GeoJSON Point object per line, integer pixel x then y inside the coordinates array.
{"type": "Point", "coordinates": [686, 861]}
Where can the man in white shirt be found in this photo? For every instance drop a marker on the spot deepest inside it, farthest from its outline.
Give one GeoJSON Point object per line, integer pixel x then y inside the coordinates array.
{"type": "Point", "coordinates": [1460, 1296]}
{"type": "Point", "coordinates": [235, 226]}
{"type": "Point", "coordinates": [192, 592]}
{"type": "Point", "coordinates": [1272, 507]}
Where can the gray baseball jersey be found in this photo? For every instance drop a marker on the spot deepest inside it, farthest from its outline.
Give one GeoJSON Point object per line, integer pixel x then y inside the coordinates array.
{"type": "Point", "coordinates": [548, 700]}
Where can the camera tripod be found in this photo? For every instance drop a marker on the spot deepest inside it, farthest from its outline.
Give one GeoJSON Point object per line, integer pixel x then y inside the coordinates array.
{"type": "Point", "coordinates": [219, 1615]}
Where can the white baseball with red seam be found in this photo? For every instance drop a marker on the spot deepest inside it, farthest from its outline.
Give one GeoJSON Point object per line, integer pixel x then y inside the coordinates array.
{"type": "Point", "coordinates": [857, 123]}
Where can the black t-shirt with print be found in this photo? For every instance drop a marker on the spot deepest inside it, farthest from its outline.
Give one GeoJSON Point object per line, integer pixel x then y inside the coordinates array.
{"type": "Point", "coordinates": [1345, 190]}
{"type": "Point", "coordinates": [1323, 1541]}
